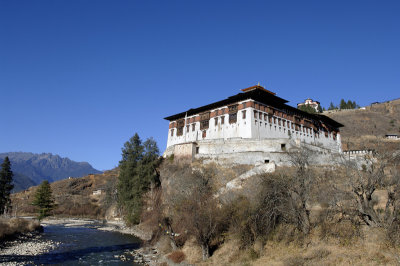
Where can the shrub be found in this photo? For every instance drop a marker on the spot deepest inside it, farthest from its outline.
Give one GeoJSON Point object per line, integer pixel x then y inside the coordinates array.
{"type": "Point", "coordinates": [273, 206]}
{"type": "Point", "coordinates": [345, 232]}
{"type": "Point", "coordinates": [393, 233]}
{"type": "Point", "coordinates": [14, 226]}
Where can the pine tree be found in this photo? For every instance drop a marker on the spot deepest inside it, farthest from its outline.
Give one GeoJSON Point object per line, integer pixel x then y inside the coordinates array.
{"type": "Point", "coordinates": [343, 104]}
{"type": "Point", "coordinates": [137, 174]}
{"type": "Point", "coordinates": [43, 200]}
{"type": "Point", "coordinates": [332, 106]}
{"type": "Point", "coordinates": [6, 186]}
{"type": "Point", "coordinates": [350, 105]}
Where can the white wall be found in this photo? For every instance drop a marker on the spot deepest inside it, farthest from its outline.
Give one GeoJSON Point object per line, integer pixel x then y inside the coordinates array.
{"type": "Point", "coordinates": [253, 128]}
{"type": "Point", "coordinates": [240, 129]}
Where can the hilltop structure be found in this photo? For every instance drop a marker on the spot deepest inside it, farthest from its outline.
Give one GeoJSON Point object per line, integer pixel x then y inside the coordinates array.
{"type": "Point", "coordinates": [254, 126]}
{"type": "Point", "coordinates": [309, 102]}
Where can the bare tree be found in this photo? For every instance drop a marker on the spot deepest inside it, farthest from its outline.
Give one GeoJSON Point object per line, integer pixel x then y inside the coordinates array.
{"type": "Point", "coordinates": [256, 219]}
{"type": "Point", "coordinates": [193, 210]}
{"type": "Point", "coordinates": [300, 184]}
{"type": "Point", "coordinates": [365, 176]}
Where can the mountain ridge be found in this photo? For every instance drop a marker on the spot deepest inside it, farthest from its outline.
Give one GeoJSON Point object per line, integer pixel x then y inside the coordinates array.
{"type": "Point", "coordinates": [36, 167]}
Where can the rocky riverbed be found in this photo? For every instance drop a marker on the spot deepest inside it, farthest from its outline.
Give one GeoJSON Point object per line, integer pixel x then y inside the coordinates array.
{"type": "Point", "coordinates": [29, 247]}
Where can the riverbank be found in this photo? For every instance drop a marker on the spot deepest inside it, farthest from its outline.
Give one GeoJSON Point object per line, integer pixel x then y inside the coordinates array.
{"type": "Point", "coordinates": [11, 228]}
{"type": "Point", "coordinates": [144, 255]}
{"type": "Point", "coordinates": [25, 245]}
{"type": "Point", "coordinates": [71, 242]}
{"type": "Point", "coordinates": [21, 237]}
{"type": "Point", "coordinates": [31, 246]}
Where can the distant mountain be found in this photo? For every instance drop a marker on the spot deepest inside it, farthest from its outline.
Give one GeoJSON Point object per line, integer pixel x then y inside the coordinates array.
{"type": "Point", "coordinates": [31, 169]}
{"type": "Point", "coordinates": [22, 182]}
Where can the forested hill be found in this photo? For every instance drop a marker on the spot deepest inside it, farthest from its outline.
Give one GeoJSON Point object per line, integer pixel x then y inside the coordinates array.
{"type": "Point", "coordinates": [31, 169]}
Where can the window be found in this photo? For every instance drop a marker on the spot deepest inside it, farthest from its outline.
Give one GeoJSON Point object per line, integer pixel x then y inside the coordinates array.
{"type": "Point", "coordinates": [204, 134]}
{"type": "Point", "coordinates": [283, 147]}
{"type": "Point", "coordinates": [204, 120]}
{"type": "Point", "coordinates": [197, 150]}
{"type": "Point", "coordinates": [265, 117]}
{"type": "Point", "coordinates": [233, 108]}
{"type": "Point", "coordinates": [232, 118]}
{"type": "Point", "coordinates": [180, 125]}
{"type": "Point", "coordinates": [193, 127]}
{"type": "Point", "coordinates": [179, 131]}
{"type": "Point", "coordinates": [222, 120]}
{"type": "Point", "coordinates": [187, 128]}
{"type": "Point", "coordinates": [216, 121]}
{"type": "Point", "coordinates": [266, 161]}
{"type": "Point", "coordinates": [244, 114]}
{"type": "Point", "coordinates": [244, 105]}
{"type": "Point", "coordinates": [255, 114]}
{"type": "Point", "coordinates": [172, 132]}
{"type": "Point", "coordinates": [260, 116]}
{"type": "Point", "coordinates": [204, 124]}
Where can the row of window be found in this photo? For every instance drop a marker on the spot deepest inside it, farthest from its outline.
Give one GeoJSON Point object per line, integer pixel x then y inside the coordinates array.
{"type": "Point", "coordinates": [280, 122]}
{"type": "Point", "coordinates": [257, 115]}
{"type": "Point", "coordinates": [233, 119]}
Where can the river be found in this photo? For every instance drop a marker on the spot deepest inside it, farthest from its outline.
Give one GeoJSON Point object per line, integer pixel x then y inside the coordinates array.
{"type": "Point", "coordinates": [81, 244]}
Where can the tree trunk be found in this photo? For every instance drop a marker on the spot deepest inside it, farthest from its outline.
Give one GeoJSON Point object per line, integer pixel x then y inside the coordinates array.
{"type": "Point", "coordinates": [206, 251]}
{"type": "Point", "coordinates": [305, 222]}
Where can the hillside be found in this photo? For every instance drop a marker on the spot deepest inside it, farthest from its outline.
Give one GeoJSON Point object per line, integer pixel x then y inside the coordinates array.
{"type": "Point", "coordinates": [22, 182]}
{"type": "Point", "coordinates": [363, 126]}
{"type": "Point", "coordinates": [90, 196]}
{"type": "Point", "coordinates": [31, 169]}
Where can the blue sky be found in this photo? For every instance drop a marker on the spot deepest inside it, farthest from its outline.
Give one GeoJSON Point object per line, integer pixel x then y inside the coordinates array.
{"type": "Point", "coordinates": [79, 78]}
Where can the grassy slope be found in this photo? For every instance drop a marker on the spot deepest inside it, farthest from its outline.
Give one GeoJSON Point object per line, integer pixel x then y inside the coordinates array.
{"type": "Point", "coordinates": [360, 126]}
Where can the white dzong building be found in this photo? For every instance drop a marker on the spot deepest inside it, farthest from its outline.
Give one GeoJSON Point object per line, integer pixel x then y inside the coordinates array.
{"type": "Point", "coordinates": [254, 126]}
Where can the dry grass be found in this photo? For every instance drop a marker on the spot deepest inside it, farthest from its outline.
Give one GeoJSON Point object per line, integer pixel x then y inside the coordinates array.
{"type": "Point", "coordinates": [176, 256]}
{"type": "Point", "coordinates": [363, 127]}
{"type": "Point", "coordinates": [14, 226]}
{"type": "Point", "coordinates": [192, 251]}
{"type": "Point", "coordinates": [344, 233]}
{"type": "Point", "coordinates": [368, 248]}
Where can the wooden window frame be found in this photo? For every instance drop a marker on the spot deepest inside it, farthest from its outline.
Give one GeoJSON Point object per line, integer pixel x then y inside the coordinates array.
{"type": "Point", "coordinates": [232, 118]}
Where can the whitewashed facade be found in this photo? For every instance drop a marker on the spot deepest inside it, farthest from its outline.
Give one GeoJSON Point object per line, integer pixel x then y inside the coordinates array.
{"type": "Point", "coordinates": [253, 124]}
